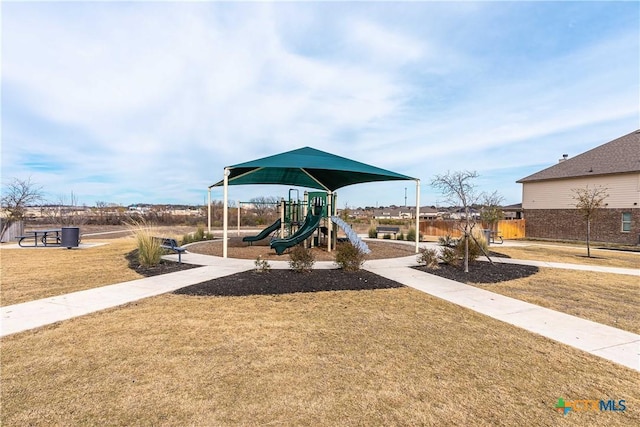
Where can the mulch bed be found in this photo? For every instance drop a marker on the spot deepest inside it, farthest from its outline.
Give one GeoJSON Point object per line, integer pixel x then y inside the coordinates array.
{"type": "Point", "coordinates": [482, 272]}
{"type": "Point", "coordinates": [163, 268]}
{"type": "Point", "coordinates": [276, 282]}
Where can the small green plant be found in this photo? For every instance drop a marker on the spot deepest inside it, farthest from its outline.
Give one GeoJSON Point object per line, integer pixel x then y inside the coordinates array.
{"type": "Point", "coordinates": [373, 233]}
{"type": "Point", "coordinates": [411, 235]}
{"type": "Point", "coordinates": [475, 249]}
{"type": "Point", "coordinates": [149, 247]}
{"type": "Point", "coordinates": [387, 236]}
{"type": "Point", "coordinates": [348, 257]}
{"type": "Point", "coordinates": [449, 256]}
{"type": "Point", "coordinates": [428, 257]}
{"type": "Point", "coordinates": [400, 236]}
{"type": "Point", "coordinates": [198, 236]}
{"type": "Point", "coordinates": [262, 265]}
{"type": "Point", "coordinates": [301, 259]}
{"type": "Point", "coordinates": [447, 241]}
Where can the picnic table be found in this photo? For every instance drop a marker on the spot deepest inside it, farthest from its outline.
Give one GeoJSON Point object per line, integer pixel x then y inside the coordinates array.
{"type": "Point", "coordinates": [49, 237]}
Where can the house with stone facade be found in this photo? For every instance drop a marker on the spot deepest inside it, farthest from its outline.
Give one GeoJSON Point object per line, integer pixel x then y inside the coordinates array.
{"type": "Point", "coordinates": [549, 206]}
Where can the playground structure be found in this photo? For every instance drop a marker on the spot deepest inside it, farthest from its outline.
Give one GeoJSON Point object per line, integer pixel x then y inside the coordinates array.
{"type": "Point", "coordinates": [309, 168]}
{"type": "Point", "coordinates": [291, 231]}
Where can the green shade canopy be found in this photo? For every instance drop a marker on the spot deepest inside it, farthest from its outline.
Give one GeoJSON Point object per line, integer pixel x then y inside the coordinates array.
{"type": "Point", "coordinates": [308, 167]}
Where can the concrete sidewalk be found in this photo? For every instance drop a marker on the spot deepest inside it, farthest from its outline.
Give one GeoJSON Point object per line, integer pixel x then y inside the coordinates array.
{"type": "Point", "coordinates": [604, 341]}
{"type": "Point", "coordinates": [33, 314]}
{"type": "Point", "coordinates": [613, 344]}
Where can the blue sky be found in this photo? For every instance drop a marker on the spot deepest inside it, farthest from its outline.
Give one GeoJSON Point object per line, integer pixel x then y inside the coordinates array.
{"type": "Point", "coordinates": [147, 102]}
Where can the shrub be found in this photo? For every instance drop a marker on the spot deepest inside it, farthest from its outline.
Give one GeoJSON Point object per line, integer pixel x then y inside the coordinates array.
{"type": "Point", "coordinates": [301, 259]}
{"type": "Point", "coordinates": [400, 236]}
{"type": "Point", "coordinates": [262, 265]}
{"type": "Point", "coordinates": [387, 236]}
{"type": "Point", "coordinates": [411, 235]}
{"type": "Point", "coordinates": [475, 249]}
{"type": "Point", "coordinates": [348, 257]}
{"type": "Point", "coordinates": [198, 236]}
{"type": "Point", "coordinates": [428, 257]}
{"type": "Point", "coordinates": [447, 241]}
{"type": "Point", "coordinates": [149, 247]}
{"type": "Point", "coordinates": [373, 233]}
{"type": "Point", "coordinates": [448, 255]}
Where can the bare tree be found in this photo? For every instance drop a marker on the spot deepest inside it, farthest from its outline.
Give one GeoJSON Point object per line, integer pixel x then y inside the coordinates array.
{"type": "Point", "coordinates": [589, 201]}
{"type": "Point", "coordinates": [18, 194]}
{"type": "Point", "coordinates": [265, 207]}
{"type": "Point", "coordinates": [458, 189]}
{"type": "Point", "coordinates": [491, 211]}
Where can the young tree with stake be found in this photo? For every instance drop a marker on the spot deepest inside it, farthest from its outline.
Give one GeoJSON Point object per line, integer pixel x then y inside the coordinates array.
{"type": "Point", "coordinates": [458, 188]}
{"type": "Point", "coordinates": [589, 201]}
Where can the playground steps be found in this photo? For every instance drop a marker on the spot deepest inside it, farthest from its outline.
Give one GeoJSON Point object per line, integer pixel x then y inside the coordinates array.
{"type": "Point", "coordinates": [351, 235]}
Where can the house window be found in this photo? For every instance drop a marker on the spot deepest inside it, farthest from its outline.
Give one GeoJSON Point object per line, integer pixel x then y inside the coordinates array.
{"type": "Point", "coordinates": [626, 221]}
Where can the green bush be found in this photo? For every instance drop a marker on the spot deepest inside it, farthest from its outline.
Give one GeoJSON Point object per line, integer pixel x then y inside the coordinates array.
{"type": "Point", "coordinates": [474, 248]}
{"type": "Point", "coordinates": [301, 259]}
{"type": "Point", "coordinates": [198, 236]}
{"type": "Point", "coordinates": [400, 236]}
{"type": "Point", "coordinates": [428, 257]}
{"type": "Point", "coordinates": [348, 257]}
{"type": "Point", "coordinates": [448, 255]}
{"type": "Point", "coordinates": [447, 241]}
{"type": "Point", "coordinates": [411, 235]}
{"type": "Point", "coordinates": [387, 236]}
{"type": "Point", "coordinates": [373, 233]}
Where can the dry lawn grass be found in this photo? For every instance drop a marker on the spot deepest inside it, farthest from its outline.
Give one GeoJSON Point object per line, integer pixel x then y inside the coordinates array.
{"type": "Point", "coordinates": [385, 357]}
{"type": "Point", "coordinates": [33, 273]}
{"type": "Point", "coordinates": [571, 254]}
{"type": "Point", "coordinates": [611, 299]}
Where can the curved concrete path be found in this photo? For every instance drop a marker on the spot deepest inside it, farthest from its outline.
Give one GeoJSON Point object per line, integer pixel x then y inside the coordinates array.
{"type": "Point", "coordinates": [613, 344]}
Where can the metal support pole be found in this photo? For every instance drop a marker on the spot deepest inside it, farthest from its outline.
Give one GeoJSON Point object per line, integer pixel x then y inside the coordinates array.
{"type": "Point", "coordinates": [329, 223]}
{"type": "Point", "coordinates": [225, 212]}
{"type": "Point", "coordinates": [209, 210]}
{"type": "Point", "coordinates": [417, 214]}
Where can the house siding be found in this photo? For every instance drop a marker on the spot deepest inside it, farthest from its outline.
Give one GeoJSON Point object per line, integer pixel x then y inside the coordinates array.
{"type": "Point", "coordinates": [567, 224]}
{"type": "Point", "coordinates": [623, 190]}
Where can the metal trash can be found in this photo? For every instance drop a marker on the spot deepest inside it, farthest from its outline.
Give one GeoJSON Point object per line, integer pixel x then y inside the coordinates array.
{"type": "Point", "coordinates": [70, 237]}
{"type": "Point", "coordinates": [487, 236]}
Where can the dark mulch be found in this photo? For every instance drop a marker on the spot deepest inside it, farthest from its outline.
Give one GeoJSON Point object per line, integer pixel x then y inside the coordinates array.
{"type": "Point", "coordinates": [275, 282]}
{"type": "Point", "coordinates": [482, 272]}
{"type": "Point", "coordinates": [163, 268]}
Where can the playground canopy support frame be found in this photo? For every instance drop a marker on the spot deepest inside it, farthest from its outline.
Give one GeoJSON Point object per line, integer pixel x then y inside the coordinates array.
{"type": "Point", "coordinates": [305, 167]}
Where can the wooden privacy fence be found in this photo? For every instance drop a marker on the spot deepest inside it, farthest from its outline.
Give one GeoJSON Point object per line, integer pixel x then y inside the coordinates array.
{"type": "Point", "coordinates": [507, 228]}
{"type": "Point", "coordinates": [9, 231]}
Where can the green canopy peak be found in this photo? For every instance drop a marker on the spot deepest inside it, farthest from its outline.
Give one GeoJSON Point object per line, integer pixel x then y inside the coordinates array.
{"type": "Point", "coordinates": [308, 167]}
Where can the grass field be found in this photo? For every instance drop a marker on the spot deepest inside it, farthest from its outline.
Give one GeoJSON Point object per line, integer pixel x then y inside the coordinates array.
{"type": "Point", "coordinates": [611, 299]}
{"type": "Point", "coordinates": [30, 274]}
{"type": "Point", "coordinates": [384, 357]}
{"type": "Point", "coordinates": [571, 254]}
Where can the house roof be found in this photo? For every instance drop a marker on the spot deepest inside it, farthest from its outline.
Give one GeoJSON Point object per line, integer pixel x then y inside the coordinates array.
{"type": "Point", "coordinates": [622, 155]}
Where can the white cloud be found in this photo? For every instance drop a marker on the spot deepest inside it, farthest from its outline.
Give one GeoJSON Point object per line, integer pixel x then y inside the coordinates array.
{"type": "Point", "coordinates": [125, 92]}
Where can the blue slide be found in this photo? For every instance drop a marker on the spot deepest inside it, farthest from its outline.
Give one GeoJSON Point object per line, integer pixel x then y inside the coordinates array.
{"type": "Point", "coordinates": [311, 223]}
{"type": "Point", "coordinates": [264, 233]}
